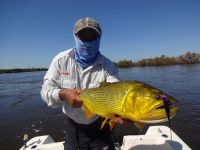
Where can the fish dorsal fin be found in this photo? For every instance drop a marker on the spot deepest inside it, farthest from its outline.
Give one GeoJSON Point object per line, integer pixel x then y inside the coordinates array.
{"type": "Point", "coordinates": [87, 112]}
{"type": "Point", "coordinates": [138, 124]}
{"type": "Point", "coordinates": [104, 84]}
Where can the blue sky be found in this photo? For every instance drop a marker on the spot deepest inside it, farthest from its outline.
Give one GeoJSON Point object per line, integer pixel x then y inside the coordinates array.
{"type": "Point", "coordinates": [32, 32]}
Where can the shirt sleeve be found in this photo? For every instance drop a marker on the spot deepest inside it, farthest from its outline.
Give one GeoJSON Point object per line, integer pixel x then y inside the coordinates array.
{"type": "Point", "coordinates": [112, 74]}
{"type": "Point", "coordinates": [51, 85]}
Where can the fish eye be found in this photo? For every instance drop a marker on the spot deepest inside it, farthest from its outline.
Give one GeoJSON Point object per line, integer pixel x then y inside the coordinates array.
{"type": "Point", "coordinates": [158, 97]}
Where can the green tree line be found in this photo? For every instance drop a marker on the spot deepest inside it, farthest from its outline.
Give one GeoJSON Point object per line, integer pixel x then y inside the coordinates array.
{"type": "Point", "coordinates": [187, 58]}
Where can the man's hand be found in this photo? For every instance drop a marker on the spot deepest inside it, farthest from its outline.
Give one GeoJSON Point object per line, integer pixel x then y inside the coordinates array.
{"type": "Point", "coordinates": [71, 96]}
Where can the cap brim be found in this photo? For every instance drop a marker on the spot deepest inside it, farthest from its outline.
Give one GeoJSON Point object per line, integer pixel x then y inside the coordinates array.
{"type": "Point", "coordinates": [88, 27]}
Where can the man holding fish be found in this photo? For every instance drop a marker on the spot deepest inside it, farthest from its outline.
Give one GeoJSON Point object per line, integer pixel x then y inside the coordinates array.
{"type": "Point", "coordinates": [72, 82]}
{"type": "Point", "coordinates": [73, 70]}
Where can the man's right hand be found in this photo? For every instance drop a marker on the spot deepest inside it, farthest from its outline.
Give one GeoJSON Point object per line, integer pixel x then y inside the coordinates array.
{"type": "Point", "coordinates": [71, 96]}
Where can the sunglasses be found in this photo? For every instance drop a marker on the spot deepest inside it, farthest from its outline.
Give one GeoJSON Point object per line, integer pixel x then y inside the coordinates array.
{"type": "Point", "coordinates": [88, 34]}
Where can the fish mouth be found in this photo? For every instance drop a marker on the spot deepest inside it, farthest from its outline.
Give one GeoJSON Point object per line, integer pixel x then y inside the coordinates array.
{"type": "Point", "coordinates": [170, 105]}
{"type": "Point", "coordinates": [160, 113]}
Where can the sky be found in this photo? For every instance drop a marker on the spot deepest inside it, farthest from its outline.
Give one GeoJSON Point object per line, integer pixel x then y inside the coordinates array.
{"type": "Point", "coordinates": [32, 32]}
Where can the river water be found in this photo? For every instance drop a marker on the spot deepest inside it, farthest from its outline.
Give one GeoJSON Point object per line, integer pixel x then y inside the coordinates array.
{"type": "Point", "coordinates": [23, 111]}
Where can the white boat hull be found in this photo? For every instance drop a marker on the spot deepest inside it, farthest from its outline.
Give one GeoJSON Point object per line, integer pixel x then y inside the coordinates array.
{"type": "Point", "coordinates": [156, 138]}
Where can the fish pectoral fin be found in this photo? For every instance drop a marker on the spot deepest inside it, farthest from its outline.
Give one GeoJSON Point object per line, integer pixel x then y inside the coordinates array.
{"type": "Point", "coordinates": [103, 123]}
{"type": "Point", "coordinates": [138, 124]}
{"type": "Point", "coordinates": [113, 121]}
{"type": "Point", "coordinates": [87, 112]}
{"type": "Point", "coordinates": [112, 124]}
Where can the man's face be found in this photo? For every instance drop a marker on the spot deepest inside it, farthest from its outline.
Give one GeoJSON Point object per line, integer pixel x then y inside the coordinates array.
{"type": "Point", "coordinates": [87, 34]}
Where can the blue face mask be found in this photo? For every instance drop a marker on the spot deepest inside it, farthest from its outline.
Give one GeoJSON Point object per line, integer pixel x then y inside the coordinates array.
{"type": "Point", "coordinates": [86, 52]}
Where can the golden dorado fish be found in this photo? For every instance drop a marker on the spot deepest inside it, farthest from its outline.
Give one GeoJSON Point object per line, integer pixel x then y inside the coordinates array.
{"type": "Point", "coordinates": [132, 100]}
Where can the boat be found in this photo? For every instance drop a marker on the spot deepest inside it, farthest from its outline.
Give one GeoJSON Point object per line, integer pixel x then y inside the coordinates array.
{"type": "Point", "coordinates": [156, 138]}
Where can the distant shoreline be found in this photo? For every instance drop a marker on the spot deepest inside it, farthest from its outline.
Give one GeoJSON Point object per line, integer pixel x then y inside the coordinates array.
{"type": "Point", "coordinates": [18, 70]}
{"type": "Point", "coordinates": [187, 58]}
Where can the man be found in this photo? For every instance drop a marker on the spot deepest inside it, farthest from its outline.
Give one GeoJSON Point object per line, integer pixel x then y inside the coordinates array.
{"type": "Point", "coordinates": [72, 71]}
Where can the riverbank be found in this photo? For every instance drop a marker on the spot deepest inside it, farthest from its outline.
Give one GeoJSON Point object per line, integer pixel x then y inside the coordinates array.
{"type": "Point", "coordinates": [18, 70]}
{"type": "Point", "coordinates": [187, 58]}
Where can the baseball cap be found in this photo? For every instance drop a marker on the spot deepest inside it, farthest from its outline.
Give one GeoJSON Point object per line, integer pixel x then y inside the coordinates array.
{"type": "Point", "coordinates": [87, 23]}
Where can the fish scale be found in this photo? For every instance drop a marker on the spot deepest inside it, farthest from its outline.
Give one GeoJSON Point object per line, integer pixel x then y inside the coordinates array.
{"type": "Point", "coordinates": [105, 100]}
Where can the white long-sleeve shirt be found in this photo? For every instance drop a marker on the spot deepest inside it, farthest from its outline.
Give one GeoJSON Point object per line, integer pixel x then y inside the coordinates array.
{"type": "Point", "coordinates": [65, 72]}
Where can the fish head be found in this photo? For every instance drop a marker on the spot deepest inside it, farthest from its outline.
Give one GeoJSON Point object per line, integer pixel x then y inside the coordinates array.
{"type": "Point", "coordinates": [148, 105]}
